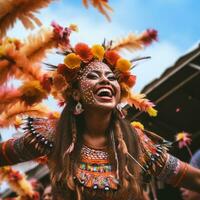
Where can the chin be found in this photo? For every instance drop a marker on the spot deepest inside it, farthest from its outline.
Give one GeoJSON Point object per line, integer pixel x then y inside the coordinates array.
{"type": "Point", "coordinates": [104, 106]}
{"type": "Point", "coordinates": [107, 107]}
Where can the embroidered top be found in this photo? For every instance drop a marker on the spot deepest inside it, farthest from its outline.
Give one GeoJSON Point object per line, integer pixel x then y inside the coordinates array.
{"type": "Point", "coordinates": [95, 171]}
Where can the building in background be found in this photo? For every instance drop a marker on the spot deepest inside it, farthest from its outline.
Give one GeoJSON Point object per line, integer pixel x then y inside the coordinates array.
{"type": "Point", "coordinates": [176, 94]}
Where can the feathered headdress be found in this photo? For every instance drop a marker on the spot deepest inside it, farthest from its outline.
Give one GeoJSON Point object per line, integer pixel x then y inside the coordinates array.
{"type": "Point", "coordinates": [21, 60]}
{"type": "Point", "coordinates": [78, 57]}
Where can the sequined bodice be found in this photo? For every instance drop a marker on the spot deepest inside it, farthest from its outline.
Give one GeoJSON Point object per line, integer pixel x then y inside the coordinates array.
{"type": "Point", "coordinates": [95, 170]}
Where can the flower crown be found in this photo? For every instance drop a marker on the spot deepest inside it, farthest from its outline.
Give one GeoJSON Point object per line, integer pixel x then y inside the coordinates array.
{"type": "Point", "coordinates": [77, 58]}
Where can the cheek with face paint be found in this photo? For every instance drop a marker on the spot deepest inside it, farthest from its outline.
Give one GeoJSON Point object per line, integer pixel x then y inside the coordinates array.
{"type": "Point", "coordinates": [86, 85]}
{"type": "Point", "coordinates": [86, 91]}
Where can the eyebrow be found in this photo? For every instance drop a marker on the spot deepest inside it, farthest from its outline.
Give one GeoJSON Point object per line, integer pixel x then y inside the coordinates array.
{"type": "Point", "coordinates": [98, 72]}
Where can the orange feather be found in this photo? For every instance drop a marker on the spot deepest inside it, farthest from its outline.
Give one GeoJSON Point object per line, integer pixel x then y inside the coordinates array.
{"type": "Point", "coordinates": [130, 43]}
{"type": "Point", "coordinates": [36, 46]}
{"type": "Point", "coordinates": [8, 97]}
{"type": "Point", "coordinates": [8, 117]}
{"type": "Point", "coordinates": [134, 42]}
{"type": "Point", "coordinates": [22, 10]}
{"type": "Point", "coordinates": [139, 101]}
{"type": "Point", "coordinates": [101, 5]}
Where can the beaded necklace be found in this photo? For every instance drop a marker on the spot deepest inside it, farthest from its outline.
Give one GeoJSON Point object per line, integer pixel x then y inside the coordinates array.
{"type": "Point", "coordinates": [95, 171]}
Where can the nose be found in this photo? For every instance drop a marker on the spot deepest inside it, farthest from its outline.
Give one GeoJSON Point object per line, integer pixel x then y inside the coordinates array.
{"type": "Point", "coordinates": [104, 80]}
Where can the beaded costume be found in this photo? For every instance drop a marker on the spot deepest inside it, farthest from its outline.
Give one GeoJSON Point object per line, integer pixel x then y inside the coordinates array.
{"type": "Point", "coordinates": [95, 170]}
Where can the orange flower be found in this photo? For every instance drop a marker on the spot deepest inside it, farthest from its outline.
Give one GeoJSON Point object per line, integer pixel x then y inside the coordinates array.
{"type": "Point", "coordinates": [32, 92]}
{"type": "Point", "coordinates": [46, 82]}
{"type": "Point", "coordinates": [98, 51]}
{"type": "Point", "coordinates": [68, 73]}
{"type": "Point", "coordinates": [131, 80]}
{"type": "Point", "coordinates": [61, 69]}
{"type": "Point", "coordinates": [111, 57]}
{"type": "Point", "coordinates": [84, 51]}
{"type": "Point", "coordinates": [123, 65]}
{"type": "Point", "coordinates": [72, 61]}
{"type": "Point", "coordinates": [183, 139]}
{"type": "Point", "coordinates": [127, 78]}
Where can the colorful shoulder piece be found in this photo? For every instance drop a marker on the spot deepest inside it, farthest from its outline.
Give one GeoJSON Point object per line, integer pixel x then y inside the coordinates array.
{"type": "Point", "coordinates": [154, 153]}
{"type": "Point", "coordinates": [38, 141]}
{"type": "Point", "coordinates": [41, 132]}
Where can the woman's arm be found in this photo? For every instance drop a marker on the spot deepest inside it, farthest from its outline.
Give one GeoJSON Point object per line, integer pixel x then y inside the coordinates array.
{"type": "Point", "coordinates": [37, 141]}
{"type": "Point", "coordinates": [185, 176]}
{"type": "Point", "coordinates": [165, 167]}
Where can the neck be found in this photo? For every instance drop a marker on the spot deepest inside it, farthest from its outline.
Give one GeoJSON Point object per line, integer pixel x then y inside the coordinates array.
{"type": "Point", "coordinates": [97, 122]}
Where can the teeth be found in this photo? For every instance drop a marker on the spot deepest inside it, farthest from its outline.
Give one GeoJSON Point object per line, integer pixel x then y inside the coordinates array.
{"type": "Point", "coordinates": [106, 90]}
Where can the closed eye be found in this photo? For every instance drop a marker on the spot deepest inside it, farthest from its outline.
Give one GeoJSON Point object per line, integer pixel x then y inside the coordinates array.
{"type": "Point", "coordinates": [111, 78]}
{"type": "Point", "coordinates": [92, 75]}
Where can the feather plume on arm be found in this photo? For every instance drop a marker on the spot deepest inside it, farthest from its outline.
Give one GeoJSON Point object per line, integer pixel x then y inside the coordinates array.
{"type": "Point", "coordinates": [6, 71]}
{"type": "Point", "coordinates": [13, 62]}
{"type": "Point", "coordinates": [12, 116]}
{"type": "Point", "coordinates": [22, 10]}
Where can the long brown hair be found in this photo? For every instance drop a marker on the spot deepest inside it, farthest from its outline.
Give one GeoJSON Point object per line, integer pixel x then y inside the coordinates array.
{"type": "Point", "coordinates": [122, 140]}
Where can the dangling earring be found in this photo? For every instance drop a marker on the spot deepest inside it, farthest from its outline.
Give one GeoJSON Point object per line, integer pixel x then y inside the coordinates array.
{"type": "Point", "coordinates": [119, 109]}
{"type": "Point", "coordinates": [78, 109]}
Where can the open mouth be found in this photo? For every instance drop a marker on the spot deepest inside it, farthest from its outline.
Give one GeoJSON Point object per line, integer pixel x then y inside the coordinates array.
{"type": "Point", "coordinates": [105, 93]}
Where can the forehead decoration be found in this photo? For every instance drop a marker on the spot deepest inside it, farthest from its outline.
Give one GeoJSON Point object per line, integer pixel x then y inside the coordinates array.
{"type": "Point", "coordinates": [95, 65]}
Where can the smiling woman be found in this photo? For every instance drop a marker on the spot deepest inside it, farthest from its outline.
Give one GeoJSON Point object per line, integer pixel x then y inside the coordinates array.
{"type": "Point", "coordinates": [92, 151]}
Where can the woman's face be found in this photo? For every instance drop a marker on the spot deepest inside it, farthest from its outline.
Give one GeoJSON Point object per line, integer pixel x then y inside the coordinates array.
{"type": "Point", "coordinates": [99, 87]}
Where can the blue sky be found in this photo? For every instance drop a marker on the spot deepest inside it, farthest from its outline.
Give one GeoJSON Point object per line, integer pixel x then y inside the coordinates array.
{"type": "Point", "coordinates": [175, 20]}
